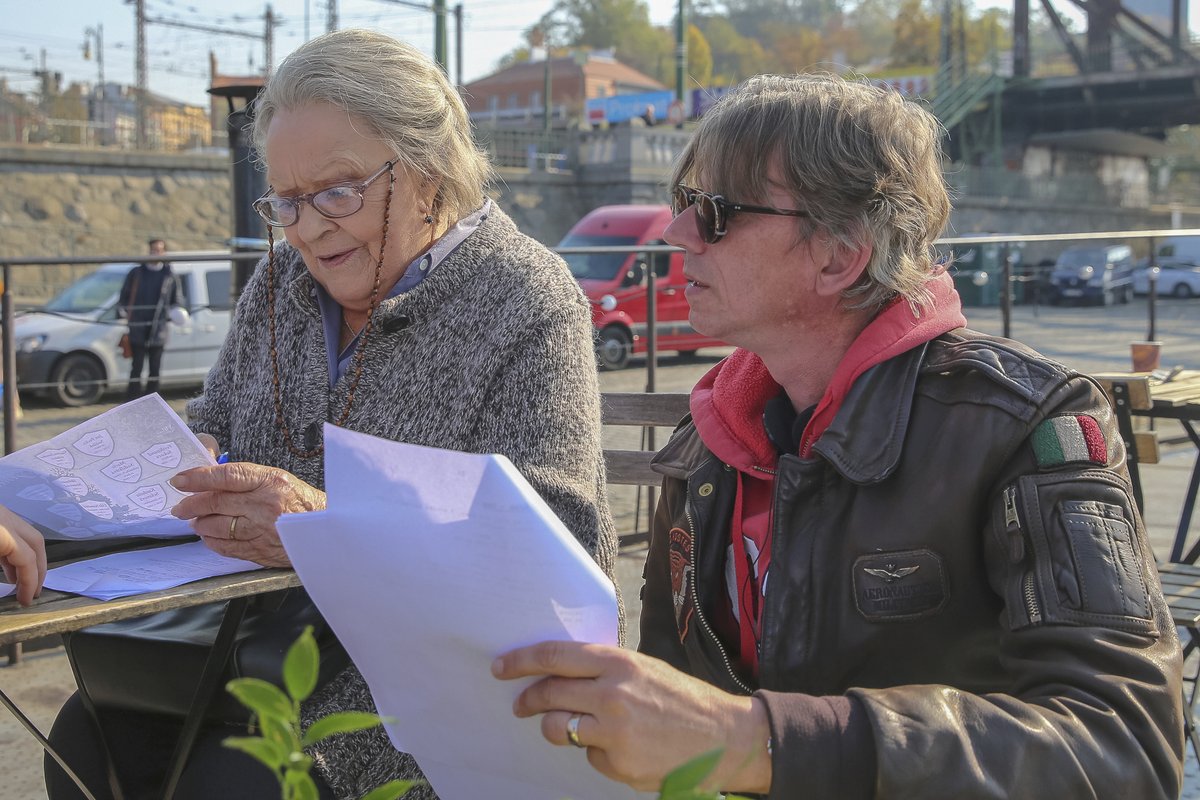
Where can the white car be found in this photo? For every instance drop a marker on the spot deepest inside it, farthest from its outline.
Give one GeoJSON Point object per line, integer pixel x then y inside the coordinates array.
{"type": "Point", "coordinates": [1175, 279]}
{"type": "Point", "coordinates": [68, 349]}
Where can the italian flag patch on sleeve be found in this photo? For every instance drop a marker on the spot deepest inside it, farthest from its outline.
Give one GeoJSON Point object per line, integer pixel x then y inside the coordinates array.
{"type": "Point", "coordinates": [1069, 439]}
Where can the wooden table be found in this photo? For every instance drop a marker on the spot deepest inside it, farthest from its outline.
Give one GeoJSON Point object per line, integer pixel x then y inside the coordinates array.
{"type": "Point", "coordinates": [1179, 399]}
{"type": "Point", "coordinates": [61, 613]}
{"type": "Point", "coordinates": [58, 612]}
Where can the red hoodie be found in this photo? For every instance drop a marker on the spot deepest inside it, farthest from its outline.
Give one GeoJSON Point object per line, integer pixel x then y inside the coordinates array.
{"type": "Point", "coordinates": [727, 406]}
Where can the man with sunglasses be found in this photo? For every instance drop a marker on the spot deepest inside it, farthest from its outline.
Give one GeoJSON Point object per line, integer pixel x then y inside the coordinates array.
{"type": "Point", "coordinates": [893, 557]}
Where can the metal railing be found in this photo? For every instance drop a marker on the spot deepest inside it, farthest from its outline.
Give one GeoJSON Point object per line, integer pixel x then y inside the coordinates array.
{"type": "Point", "coordinates": [8, 355]}
{"type": "Point", "coordinates": [1011, 276]}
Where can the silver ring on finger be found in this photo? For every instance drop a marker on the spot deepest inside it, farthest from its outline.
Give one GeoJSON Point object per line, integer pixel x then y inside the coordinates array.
{"type": "Point", "coordinates": [233, 528]}
{"type": "Point", "coordinates": [573, 730]}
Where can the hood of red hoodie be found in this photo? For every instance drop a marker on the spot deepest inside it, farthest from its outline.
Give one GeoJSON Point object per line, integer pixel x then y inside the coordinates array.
{"type": "Point", "coordinates": [727, 404]}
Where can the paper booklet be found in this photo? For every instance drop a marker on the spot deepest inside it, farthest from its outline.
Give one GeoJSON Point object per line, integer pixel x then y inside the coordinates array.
{"type": "Point", "coordinates": [106, 477]}
{"type": "Point", "coordinates": [429, 564]}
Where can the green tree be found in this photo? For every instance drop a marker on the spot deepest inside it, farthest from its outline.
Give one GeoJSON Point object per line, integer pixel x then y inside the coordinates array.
{"type": "Point", "coordinates": [796, 48]}
{"type": "Point", "coordinates": [734, 56]}
{"type": "Point", "coordinates": [623, 25]}
{"type": "Point", "coordinates": [917, 41]}
{"type": "Point", "coordinates": [699, 59]}
{"type": "Point", "coordinates": [869, 33]}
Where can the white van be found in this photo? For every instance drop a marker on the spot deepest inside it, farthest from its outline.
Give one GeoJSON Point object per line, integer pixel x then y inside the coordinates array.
{"type": "Point", "coordinates": [1180, 249]}
{"type": "Point", "coordinates": [68, 349]}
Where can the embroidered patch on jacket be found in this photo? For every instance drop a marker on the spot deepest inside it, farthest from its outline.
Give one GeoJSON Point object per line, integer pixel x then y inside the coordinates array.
{"type": "Point", "coordinates": [1069, 439]}
{"type": "Point", "coordinates": [681, 574]}
{"type": "Point", "coordinates": [899, 585]}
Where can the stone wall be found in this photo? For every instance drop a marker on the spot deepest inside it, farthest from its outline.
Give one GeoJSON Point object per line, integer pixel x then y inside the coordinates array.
{"type": "Point", "coordinates": [95, 202]}
{"type": "Point", "coordinates": [108, 203]}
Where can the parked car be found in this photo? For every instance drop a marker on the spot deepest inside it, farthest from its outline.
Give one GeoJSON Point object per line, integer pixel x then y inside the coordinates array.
{"type": "Point", "coordinates": [68, 349]}
{"type": "Point", "coordinates": [1175, 278]}
{"type": "Point", "coordinates": [1179, 249]}
{"type": "Point", "coordinates": [616, 283]}
{"type": "Point", "coordinates": [1093, 274]}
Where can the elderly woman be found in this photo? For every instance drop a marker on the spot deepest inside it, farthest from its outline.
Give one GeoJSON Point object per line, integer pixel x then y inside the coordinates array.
{"type": "Point", "coordinates": [405, 304]}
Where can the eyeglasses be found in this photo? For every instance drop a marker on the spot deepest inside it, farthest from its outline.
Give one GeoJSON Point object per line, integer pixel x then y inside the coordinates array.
{"type": "Point", "coordinates": [713, 212]}
{"type": "Point", "coordinates": [334, 202]}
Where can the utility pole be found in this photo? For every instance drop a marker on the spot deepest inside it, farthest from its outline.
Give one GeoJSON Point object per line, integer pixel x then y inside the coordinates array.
{"type": "Point", "coordinates": [440, 54]}
{"type": "Point", "coordinates": [331, 20]}
{"type": "Point", "coordinates": [101, 107]}
{"type": "Point", "coordinates": [139, 11]}
{"type": "Point", "coordinates": [681, 51]}
{"type": "Point", "coordinates": [47, 83]}
{"type": "Point", "coordinates": [458, 37]}
{"type": "Point", "coordinates": [268, 41]}
{"type": "Point", "coordinates": [439, 35]}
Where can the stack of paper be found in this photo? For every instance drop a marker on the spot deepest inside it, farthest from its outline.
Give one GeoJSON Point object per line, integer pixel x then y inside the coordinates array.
{"type": "Point", "coordinates": [141, 571]}
{"type": "Point", "coordinates": [430, 563]}
{"type": "Point", "coordinates": [107, 476]}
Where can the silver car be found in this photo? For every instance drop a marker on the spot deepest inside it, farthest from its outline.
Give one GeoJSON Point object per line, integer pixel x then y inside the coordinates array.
{"type": "Point", "coordinates": [1175, 278]}
{"type": "Point", "coordinates": [68, 349]}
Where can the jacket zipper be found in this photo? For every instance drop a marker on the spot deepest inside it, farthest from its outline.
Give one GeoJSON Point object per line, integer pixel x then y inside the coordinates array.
{"type": "Point", "coordinates": [765, 469]}
{"type": "Point", "coordinates": [700, 616]}
{"type": "Point", "coordinates": [1012, 521]}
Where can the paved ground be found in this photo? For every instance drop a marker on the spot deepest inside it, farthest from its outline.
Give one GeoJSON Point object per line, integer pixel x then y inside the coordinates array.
{"type": "Point", "coordinates": [1092, 339]}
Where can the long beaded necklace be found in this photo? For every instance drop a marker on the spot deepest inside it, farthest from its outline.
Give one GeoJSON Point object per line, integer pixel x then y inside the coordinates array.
{"type": "Point", "coordinates": [356, 364]}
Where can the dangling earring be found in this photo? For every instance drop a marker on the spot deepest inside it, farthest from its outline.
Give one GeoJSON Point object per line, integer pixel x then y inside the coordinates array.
{"type": "Point", "coordinates": [429, 219]}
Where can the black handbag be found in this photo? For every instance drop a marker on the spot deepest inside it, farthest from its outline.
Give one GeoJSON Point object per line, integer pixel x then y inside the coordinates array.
{"type": "Point", "coordinates": [154, 664]}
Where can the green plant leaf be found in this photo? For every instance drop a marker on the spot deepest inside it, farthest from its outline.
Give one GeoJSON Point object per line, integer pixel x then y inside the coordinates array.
{"type": "Point", "coordinates": [391, 790]}
{"type": "Point", "coordinates": [342, 722]}
{"type": "Point", "coordinates": [264, 699]}
{"type": "Point", "coordinates": [280, 730]}
{"type": "Point", "coordinates": [299, 785]}
{"type": "Point", "coordinates": [272, 754]}
{"type": "Point", "coordinates": [300, 666]}
{"type": "Point", "coordinates": [682, 782]}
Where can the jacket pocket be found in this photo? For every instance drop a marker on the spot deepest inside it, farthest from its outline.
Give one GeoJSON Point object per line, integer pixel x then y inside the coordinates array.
{"type": "Point", "coordinates": [1083, 559]}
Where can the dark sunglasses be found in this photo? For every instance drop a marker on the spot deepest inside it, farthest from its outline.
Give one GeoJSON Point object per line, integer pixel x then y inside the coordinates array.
{"type": "Point", "coordinates": [713, 212]}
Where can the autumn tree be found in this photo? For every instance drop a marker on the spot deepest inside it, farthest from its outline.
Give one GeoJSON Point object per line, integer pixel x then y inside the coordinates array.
{"type": "Point", "coordinates": [699, 59]}
{"type": "Point", "coordinates": [917, 35]}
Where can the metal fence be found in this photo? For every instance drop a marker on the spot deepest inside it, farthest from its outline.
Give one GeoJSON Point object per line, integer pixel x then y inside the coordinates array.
{"type": "Point", "coordinates": [1017, 283]}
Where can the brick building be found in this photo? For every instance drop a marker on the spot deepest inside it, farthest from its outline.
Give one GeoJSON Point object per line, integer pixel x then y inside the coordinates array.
{"type": "Point", "coordinates": [514, 95]}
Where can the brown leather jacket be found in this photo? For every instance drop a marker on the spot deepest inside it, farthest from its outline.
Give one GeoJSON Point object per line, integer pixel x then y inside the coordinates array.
{"type": "Point", "coordinates": [946, 615]}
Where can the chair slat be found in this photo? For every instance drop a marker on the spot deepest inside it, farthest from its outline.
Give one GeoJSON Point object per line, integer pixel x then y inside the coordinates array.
{"type": "Point", "coordinates": [638, 408]}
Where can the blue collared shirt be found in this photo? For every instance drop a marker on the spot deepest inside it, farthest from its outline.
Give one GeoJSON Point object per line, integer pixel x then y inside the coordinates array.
{"type": "Point", "coordinates": [418, 270]}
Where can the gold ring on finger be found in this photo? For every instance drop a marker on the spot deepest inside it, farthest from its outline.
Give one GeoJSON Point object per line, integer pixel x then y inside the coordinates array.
{"type": "Point", "coordinates": [573, 730]}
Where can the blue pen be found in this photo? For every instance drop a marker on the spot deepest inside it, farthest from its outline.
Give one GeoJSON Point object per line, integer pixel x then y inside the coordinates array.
{"type": "Point", "coordinates": [223, 458]}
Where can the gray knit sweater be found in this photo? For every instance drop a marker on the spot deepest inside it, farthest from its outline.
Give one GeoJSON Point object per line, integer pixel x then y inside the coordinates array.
{"type": "Point", "coordinates": [491, 353]}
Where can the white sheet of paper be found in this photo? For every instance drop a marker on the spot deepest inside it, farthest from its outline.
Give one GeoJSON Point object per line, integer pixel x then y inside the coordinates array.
{"type": "Point", "coordinates": [107, 476]}
{"type": "Point", "coordinates": [141, 571]}
{"type": "Point", "coordinates": [430, 563]}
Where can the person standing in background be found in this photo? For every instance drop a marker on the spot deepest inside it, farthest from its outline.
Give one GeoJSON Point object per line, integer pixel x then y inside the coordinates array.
{"type": "Point", "coordinates": [149, 299]}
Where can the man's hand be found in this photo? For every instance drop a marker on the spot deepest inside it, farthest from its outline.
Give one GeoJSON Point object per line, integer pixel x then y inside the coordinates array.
{"type": "Point", "coordinates": [641, 718]}
{"type": "Point", "coordinates": [234, 506]}
{"type": "Point", "coordinates": [23, 556]}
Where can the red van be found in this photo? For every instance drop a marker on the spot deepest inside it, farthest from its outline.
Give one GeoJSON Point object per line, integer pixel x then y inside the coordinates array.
{"type": "Point", "coordinates": [616, 283]}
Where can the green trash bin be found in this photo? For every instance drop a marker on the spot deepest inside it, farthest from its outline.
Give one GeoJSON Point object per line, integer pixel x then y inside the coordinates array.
{"type": "Point", "coordinates": [978, 271]}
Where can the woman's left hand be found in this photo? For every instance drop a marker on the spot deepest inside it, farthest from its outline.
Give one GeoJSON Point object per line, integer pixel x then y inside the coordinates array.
{"type": "Point", "coordinates": [639, 717]}
{"type": "Point", "coordinates": [233, 508]}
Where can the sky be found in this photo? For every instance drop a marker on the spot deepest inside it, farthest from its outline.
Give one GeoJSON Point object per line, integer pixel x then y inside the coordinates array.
{"type": "Point", "coordinates": [178, 58]}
